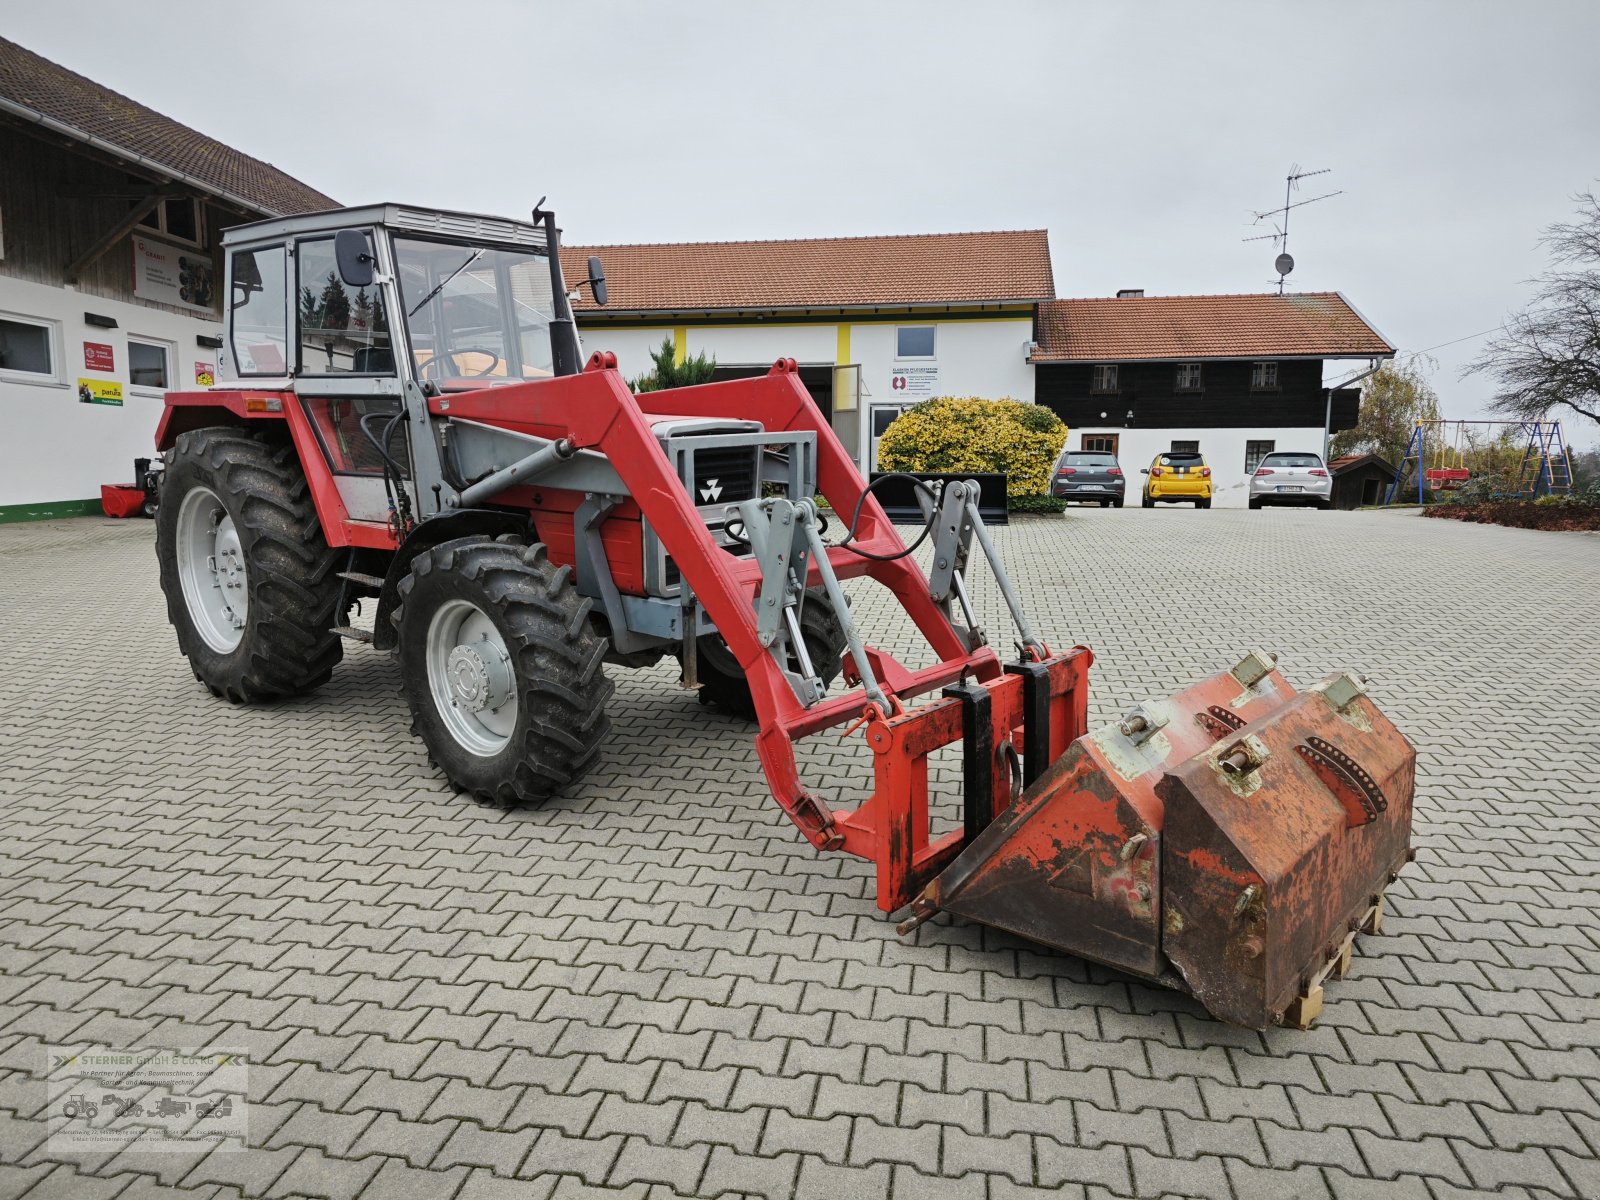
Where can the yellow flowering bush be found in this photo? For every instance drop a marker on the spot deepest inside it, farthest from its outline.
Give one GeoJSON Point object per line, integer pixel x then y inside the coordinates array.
{"type": "Point", "coordinates": [969, 433]}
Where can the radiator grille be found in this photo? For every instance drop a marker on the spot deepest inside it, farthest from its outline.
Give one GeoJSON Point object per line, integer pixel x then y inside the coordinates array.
{"type": "Point", "coordinates": [724, 474]}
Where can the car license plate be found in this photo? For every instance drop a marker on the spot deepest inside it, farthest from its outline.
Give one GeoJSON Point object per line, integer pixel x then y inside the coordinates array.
{"type": "Point", "coordinates": [1091, 487]}
{"type": "Point", "coordinates": [1290, 487]}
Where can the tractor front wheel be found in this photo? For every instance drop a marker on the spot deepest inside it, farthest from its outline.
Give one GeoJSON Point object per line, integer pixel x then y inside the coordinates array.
{"type": "Point", "coordinates": [250, 581]}
{"type": "Point", "coordinates": [501, 668]}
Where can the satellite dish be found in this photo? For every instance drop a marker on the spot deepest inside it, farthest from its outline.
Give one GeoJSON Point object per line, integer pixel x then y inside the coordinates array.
{"type": "Point", "coordinates": [1284, 264]}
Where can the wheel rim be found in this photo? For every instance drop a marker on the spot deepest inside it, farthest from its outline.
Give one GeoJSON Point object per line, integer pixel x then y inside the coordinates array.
{"type": "Point", "coordinates": [211, 567]}
{"type": "Point", "coordinates": [470, 678]}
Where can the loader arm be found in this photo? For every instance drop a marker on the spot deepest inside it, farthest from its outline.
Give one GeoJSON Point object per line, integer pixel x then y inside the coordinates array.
{"type": "Point", "coordinates": [1032, 714]}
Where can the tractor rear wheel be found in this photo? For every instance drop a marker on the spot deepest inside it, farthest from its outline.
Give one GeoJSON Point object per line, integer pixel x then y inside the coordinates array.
{"type": "Point", "coordinates": [722, 680]}
{"type": "Point", "coordinates": [250, 581]}
{"type": "Point", "coordinates": [500, 665]}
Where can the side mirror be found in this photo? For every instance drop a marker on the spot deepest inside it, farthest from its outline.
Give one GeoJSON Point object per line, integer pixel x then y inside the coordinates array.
{"type": "Point", "coordinates": [246, 273]}
{"type": "Point", "coordinates": [1144, 470]}
{"type": "Point", "coordinates": [597, 279]}
{"type": "Point", "coordinates": [351, 252]}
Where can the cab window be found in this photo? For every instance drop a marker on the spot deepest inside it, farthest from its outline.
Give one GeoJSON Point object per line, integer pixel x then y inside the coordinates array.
{"type": "Point", "coordinates": [343, 330]}
{"type": "Point", "coordinates": [260, 309]}
{"type": "Point", "coordinates": [475, 312]}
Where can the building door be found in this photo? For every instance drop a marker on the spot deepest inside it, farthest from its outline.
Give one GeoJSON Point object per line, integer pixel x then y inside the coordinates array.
{"type": "Point", "coordinates": [883, 416]}
{"type": "Point", "coordinates": [848, 414]}
{"type": "Point", "coordinates": [1099, 443]}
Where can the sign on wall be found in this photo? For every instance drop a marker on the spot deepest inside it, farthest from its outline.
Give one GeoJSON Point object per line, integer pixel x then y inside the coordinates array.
{"type": "Point", "coordinates": [165, 273]}
{"type": "Point", "coordinates": [204, 374]}
{"type": "Point", "coordinates": [99, 356]}
{"type": "Point", "coordinates": [100, 391]}
{"type": "Point", "coordinates": [914, 383]}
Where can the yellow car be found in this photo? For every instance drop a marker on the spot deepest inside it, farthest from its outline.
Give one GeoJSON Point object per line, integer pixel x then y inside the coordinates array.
{"type": "Point", "coordinates": [1174, 478]}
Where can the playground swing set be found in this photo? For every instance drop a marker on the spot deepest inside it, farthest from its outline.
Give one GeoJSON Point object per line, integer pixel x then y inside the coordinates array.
{"type": "Point", "coordinates": [1436, 458]}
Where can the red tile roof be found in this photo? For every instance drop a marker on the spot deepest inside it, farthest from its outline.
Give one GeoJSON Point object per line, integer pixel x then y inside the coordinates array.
{"type": "Point", "coordinates": [1135, 328]}
{"type": "Point", "coordinates": [1346, 461]}
{"type": "Point", "coordinates": [909, 269]}
{"type": "Point", "coordinates": [50, 90]}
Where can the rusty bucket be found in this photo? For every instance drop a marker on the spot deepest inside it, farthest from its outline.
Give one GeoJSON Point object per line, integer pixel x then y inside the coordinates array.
{"type": "Point", "coordinates": [1230, 841]}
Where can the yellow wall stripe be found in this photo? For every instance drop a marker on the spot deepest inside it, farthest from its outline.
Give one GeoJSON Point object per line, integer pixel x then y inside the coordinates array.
{"type": "Point", "coordinates": [841, 354]}
{"type": "Point", "coordinates": [680, 343]}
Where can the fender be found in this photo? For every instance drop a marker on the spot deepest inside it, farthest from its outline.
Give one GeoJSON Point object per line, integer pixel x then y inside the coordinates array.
{"type": "Point", "coordinates": [435, 531]}
{"type": "Point", "coordinates": [199, 410]}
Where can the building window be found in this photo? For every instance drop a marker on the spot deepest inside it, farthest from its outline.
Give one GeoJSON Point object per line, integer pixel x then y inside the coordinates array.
{"type": "Point", "coordinates": [179, 218]}
{"type": "Point", "coordinates": [1185, 448]}
{"type": "Point", "coordinates": [913, 341]}
{"type": "Point", "coordinates": [149, 364]}
{"type": "Point", "coordinates": [27, 349]}
{"type": "Point", "coordinates": [1099, 443]}
{"type": "Point", "coordinates": [342, 329]}
{"type": "Point", "coordinates": [1254, 452]}
{"type": "Point", "coordinates": [1188, 377]}
{"type": "Point", "coordinates": [260, 300]}
{"type": "Point", "coordinates": [1104, 378]}
{"type": "Point", "coordinates": [1264, 377]}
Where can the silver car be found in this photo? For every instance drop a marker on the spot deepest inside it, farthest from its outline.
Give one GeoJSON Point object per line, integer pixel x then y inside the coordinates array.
{"type": "Point", "coordinates": [1285, 477]}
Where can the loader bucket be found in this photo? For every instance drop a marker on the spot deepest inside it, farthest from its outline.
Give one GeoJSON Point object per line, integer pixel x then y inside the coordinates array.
{"type": "Point", "coordinates": [1229, 841]}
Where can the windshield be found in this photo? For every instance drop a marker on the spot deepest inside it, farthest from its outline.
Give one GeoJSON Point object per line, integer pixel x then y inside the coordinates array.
{"type": "Point", "coordinates": [475, 313]}
{"type": "Point", "coordinates": [1291, 460]}
{"type": "Point", "coordinates": [1087, 459]}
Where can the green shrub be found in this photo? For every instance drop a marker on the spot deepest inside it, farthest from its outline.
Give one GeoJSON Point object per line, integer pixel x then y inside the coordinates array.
{"type": "Point", "coordinates": [1035, 504]}
{"type": "Point", "coordinates": [951, 435]}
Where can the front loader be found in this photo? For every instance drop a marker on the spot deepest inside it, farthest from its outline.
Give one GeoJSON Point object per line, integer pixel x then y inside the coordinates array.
{"type": "Point", "coordinates": [406, 419]}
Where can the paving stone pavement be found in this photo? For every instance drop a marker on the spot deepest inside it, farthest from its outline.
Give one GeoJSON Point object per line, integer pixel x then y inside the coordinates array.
{"type": "Point", "coordinates": [653, 988]}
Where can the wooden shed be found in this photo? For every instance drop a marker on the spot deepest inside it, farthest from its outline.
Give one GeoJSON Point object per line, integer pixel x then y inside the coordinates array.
{"type": "Point", "coordinates": [1360, 479]}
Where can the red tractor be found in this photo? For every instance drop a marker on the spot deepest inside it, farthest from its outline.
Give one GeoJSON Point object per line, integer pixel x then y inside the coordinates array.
{"type": "Point", "coordinates": [405, 416]}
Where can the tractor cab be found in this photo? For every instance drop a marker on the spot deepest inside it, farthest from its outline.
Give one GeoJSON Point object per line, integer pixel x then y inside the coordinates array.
{"type": "Point", "coordinates": [361, 301]}
{"type": "Point", "coordinates": [368, 314]}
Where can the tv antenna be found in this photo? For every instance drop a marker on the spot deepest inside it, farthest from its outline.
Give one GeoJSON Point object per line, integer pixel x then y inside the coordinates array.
{"type": "Point", "coordinates": [1278, 218]}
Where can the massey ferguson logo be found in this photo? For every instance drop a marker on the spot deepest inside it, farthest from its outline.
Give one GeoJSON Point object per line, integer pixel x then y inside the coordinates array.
{"type": "Point", "coordinates": [711, 491]}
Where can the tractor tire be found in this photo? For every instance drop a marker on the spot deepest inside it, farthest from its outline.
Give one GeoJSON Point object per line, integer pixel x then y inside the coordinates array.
{"type": "Point", "coordinates": [722, 682]}
{"type": "Point", "coordinates": [236, 529]}
{"type": "Point", "coordinates": [500, 664]}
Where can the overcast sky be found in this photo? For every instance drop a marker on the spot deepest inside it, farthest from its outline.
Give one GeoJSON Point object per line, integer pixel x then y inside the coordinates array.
{"type": "Point", "coordinates": [1140, 134]}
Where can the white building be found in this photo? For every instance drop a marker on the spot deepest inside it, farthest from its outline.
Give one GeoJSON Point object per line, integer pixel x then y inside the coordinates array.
{"type": "Point", "coordinates": [1233, 377]}
{"type": "Point", "coordinates": [876, 323]}
{"type": "Point", "coordinates": [110, 216]}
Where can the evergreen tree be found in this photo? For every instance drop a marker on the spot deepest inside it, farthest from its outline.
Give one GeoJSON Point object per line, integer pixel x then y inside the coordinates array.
{"type": "Point", "coordinates": [670, 373]}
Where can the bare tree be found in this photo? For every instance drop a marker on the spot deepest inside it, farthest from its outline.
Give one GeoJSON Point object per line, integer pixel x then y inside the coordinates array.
{"type": "Point", "coordinates": [1548, 356]}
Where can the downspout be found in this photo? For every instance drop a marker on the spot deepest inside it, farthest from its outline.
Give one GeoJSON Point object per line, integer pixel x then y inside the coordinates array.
{"type": "Point", "coordinates": [1327, 417]}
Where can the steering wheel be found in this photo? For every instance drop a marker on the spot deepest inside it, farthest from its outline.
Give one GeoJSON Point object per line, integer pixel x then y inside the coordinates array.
{"type": "Point", "coordinates": [429, 369]}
